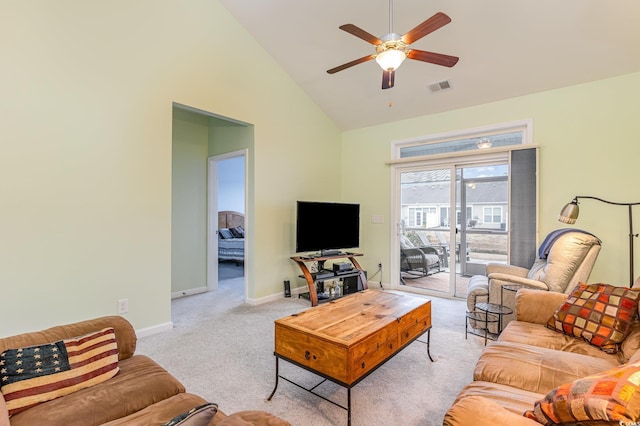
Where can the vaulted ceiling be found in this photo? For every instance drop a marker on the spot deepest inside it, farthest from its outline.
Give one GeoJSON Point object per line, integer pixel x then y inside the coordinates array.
{"type": "Point", "coordinates": [507, 48]}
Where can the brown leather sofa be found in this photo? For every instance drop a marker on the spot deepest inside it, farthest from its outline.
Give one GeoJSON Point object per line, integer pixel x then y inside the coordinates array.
{"type": "Point", "coordinates": [529, 360]}
{"type": "Point", "coordinates": [141, 393]}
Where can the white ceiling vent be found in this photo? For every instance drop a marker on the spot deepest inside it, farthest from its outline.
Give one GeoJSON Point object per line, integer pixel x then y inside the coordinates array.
{"type": "Point", "coordinates": [440, 86]}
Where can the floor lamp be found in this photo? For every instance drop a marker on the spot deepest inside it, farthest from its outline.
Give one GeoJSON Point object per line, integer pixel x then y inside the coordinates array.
{"type": "Point", "coordinates": [570, 212]}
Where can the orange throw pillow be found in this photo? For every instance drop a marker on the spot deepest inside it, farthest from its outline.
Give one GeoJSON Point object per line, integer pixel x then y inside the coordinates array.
{"type": "Point", "coordinates": [610, 396]}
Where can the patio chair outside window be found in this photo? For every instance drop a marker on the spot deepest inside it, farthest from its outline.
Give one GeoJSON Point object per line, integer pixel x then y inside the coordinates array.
{"type": "Point", "coordinates": [416, 262]}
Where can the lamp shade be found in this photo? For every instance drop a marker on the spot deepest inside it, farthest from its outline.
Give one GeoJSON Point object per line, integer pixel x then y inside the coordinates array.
{"type": "Point", "coordinates": [569, 213]}
{"type": "Point", "coordinates": [390, 59]}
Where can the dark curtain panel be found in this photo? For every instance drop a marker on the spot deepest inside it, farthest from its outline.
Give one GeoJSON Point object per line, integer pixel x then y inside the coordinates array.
{"type": "Point", "coordinates": [522, 224]}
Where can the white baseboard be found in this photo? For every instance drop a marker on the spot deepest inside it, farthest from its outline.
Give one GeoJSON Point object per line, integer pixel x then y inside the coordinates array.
{"type": "Point", "coordinates": [155, 329]}
{"type": "Point", "coordinates": [188, 292]}
{"type": "Point", "coordinates": [270, 298]}
{"type": "Point", "coordinates": [276, 296]}
{"type": "Point", "coordinates": [377, 285]}
{"type": "Point", "coordinates": [148, 331]}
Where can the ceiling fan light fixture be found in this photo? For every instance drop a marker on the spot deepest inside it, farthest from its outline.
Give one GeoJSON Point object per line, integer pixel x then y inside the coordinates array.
{"type": "Point", "coordinates": [392, 49]}
{"type": "Point", "coordinates": [390, 59]}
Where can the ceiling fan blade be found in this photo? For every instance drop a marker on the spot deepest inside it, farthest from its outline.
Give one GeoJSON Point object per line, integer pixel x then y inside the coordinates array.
{"type": "Point", "coordinates": [388, 78]}
{"type": "Point", "coordinates": [360, 33]}
{"type": "Point", "coordinates": [350, 64]}
{"type": "Point", "coordinates": [431, 57]}
{"type": "Point", "coordinates": [430, 25]}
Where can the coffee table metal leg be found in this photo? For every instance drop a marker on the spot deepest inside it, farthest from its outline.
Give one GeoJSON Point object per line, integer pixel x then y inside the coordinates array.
{"type": "Point", "coordinates": [348, 406]}
{"type": "Point", "coordinates": [429, 344]}
{"type": "Point", "coordinates": [277, 377]}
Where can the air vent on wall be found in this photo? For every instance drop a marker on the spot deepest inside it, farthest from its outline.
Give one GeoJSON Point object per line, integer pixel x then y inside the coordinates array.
{"type": "Point", "coordinates": [440, 86]}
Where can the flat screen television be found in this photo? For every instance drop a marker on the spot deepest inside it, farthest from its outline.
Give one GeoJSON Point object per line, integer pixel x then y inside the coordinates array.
{"type": "Point", "coordinates": [327, 227]}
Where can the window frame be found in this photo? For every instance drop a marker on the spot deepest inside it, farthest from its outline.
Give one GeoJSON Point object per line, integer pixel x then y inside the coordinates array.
{"type": "Point", "coordinates": [525, 126]}
{"type": "Point", "coordinates": [525, 155]}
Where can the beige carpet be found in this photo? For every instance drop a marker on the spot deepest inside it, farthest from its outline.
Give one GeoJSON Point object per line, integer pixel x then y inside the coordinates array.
{"type": "Point", "coordinates": [222, 350]}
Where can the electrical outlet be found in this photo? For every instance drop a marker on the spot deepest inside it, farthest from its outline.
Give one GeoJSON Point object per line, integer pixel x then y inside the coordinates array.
{"type": "Point", "coordinates": [379, 265]}
{"type": "Point", "coordinates": [123, 306]}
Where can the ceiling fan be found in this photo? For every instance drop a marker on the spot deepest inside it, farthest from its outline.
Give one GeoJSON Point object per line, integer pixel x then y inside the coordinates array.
{"type": "Point", "coordinates": [392, 49]}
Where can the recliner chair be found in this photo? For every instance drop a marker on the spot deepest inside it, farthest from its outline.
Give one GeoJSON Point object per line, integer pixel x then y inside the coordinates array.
{"type": "Point", "coordinates": [565, 258]}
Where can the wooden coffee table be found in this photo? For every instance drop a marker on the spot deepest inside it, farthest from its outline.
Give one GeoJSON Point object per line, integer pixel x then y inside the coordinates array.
{"type": "Point", "coordinates": [345, 340]}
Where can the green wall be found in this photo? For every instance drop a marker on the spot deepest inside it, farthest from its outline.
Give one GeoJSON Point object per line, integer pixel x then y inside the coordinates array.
{"type": "Point", "coordinates": [588, 138]}
{"type": "Point", "coordinates": [189, 201]}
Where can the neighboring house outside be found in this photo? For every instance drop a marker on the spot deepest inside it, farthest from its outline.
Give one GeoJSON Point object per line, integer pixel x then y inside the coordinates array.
{"type": "Point", "coordinates": [426, 205]}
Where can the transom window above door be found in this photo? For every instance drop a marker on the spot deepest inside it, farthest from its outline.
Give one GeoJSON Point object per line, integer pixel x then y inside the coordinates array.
{"type": "Point", "coordinates": [467, 142]}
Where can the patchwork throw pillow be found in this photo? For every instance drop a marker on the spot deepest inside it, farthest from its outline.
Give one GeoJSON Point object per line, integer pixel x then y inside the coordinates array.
{"type": "Point", "coordinates": [198, 416]}
{"type": "Point", "coordinates": [35, 374]}
{"type": "Point", "coordinates": [601, 314]}
{"type": "Point", "coordinates": [612, 396]}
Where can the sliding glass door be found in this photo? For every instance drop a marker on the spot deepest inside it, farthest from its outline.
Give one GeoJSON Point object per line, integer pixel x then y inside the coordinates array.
{"type": "Point", "coordinates": [482, 203]}
{"type": "Point", "coordinates": [462, 200]}
{"type": "Point", "coordinates": [424, 228]}
{"type": "Point", "coordinates": [452, 222]}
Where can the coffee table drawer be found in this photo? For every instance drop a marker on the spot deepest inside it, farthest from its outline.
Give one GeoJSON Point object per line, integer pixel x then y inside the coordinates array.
{"type": "Point", "coordinates": [370, 352]}
{"type": "Point", "coordinates": [316, 353]}
{"type": "Point", "coordinates": [415, 323]}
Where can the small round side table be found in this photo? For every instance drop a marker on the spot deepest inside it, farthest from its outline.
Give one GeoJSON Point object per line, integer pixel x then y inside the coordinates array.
{"type": "Point", "coordinates": [492, 309]}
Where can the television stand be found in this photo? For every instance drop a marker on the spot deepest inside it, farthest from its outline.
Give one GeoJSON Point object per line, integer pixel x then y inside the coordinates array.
{"type": "Point", "coordinates": [311, 278]}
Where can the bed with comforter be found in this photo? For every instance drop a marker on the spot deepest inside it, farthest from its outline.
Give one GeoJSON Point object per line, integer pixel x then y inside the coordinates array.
{"type": "Point", "coordinates": [230, 236]}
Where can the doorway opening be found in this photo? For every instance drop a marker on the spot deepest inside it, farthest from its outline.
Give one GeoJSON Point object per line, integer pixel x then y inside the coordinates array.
{"type": "Point", "coordinates": [227, 227]}
{"type": "Point", "coordinates": [200, 139]}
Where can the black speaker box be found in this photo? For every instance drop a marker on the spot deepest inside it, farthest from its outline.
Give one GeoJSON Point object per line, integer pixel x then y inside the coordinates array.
{"type": "Point", "coordinates": [352, 284]}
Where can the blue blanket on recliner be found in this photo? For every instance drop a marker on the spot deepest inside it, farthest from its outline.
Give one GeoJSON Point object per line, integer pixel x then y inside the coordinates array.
{"type": "Point", "coordinates": [545, 247]}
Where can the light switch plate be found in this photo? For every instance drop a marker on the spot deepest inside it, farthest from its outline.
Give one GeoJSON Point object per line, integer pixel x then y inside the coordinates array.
{"type": "Point", "coordinates": [377, 218]}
